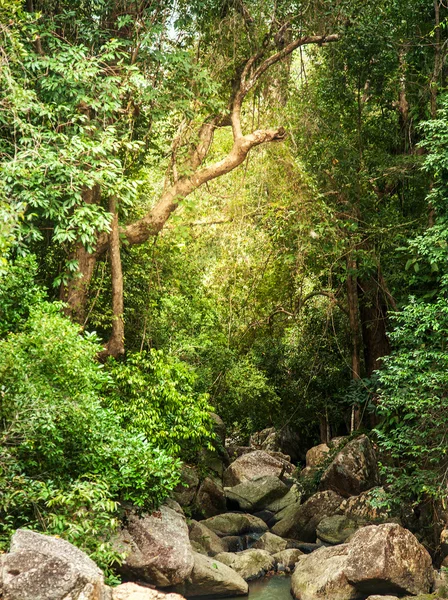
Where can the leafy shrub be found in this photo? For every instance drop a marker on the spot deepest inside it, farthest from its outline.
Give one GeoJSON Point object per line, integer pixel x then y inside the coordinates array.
{"type": "Point", "coordinates": [65, 460]}
{"type": "Point", "coordinates": [153, 393]}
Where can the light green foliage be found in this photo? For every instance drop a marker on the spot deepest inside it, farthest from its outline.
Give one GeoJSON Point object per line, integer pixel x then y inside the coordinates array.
{"type": "Point", "coordinates": [65, 459]}
{"type": "Point", "coordinates": [153, 393]}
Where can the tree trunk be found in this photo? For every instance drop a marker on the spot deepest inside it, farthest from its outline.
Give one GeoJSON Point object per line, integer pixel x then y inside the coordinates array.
{"type": "Point", "coordinates": [353, 314]}
{"type": "Point", "coordinates": [115, 345]}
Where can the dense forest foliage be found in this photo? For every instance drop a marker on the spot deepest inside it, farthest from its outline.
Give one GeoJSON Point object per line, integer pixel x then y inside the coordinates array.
{"type": "Point", "coordinates": [235, 206]}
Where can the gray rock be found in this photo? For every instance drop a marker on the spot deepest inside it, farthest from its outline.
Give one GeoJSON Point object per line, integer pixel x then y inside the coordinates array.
{"type": "Point", "coordinates": [210, 499]}
{"type": "Point", "coordinates": [300, 521]}
{"type": "Point", "coordinates": [235, 524]}
{"type": "Point", "coordinates": [210, 577]}
{"type": "Point", "coordinates": [316, 455]}
{"type": "Point", "coordinates": [360, 508]}
{"type": "Point", "coordinates": [271, 543]}
{"type": "Point", "coordinates": [255, 494]}
{"type": "Point", "coordinates": [376, 597]}
{"type": "Point", "coordinates": [157, 547]}
{"type": "Point", "coordinates": [185, 491]}
{"type": "Point", "coordinates": [353, 470]}
{"type": "Point", "coordinates": [40, 567]}
{"type": "Point", "coordinates": [132, 591]}
{"type": "Point", "coordinates": [250, 564]}
{"type": "Point", "coordinates": [203, 537]}
{"type": "Point", "coordinates": [252, 465]}
{"type": "Point", "coordinates": [286, 559]}
{"type": "Point", "coordinates": [336, 529]}
{"type": "Point", "coordinates": [388, 559]}
{"type": "Point", "coordinates": [282, 507]}
{"type": "Point", "coordinates": [321, 576]}
{"type": "Point", "coordinates": [286, 440]}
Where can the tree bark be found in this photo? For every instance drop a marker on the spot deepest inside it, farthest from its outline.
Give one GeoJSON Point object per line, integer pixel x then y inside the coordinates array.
{"type": "Point", "coordinates": [353, 315]}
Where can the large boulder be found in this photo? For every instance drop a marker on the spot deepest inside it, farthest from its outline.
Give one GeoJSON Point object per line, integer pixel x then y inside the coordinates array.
{"type": "Point", "coordinates": [40, 567]}
{"type": "Point", "coordinates": [250, 564]}
{"type": "Point", "coordinates": [336, 529]}
{"type": "Point", "coordinates": [132, 591]}
{"type": "Point", "coordinates": [204, 540]}
{"type": "Point", "coordinates": [286, 440]}
{"type": "Point", "coordinates": [316, 455]}
{"type": "Point", "coordinates": [362, 508]}
{"type": "Point", "coordinates": [388, 559]}
{"type": "Point", "coordinates": [157, 548]}
{"type": "Point", "coordinates": [271, 543]}
{"type": "Point", "coordinates": [383, 559]}
{"type": "Point", "coordinates": [255, 494]}
{"type": "Point", "coordinates": [210, 499]}
{"type": "Point", "coordinates": [283, 506]}
{"type": "Point", "coordinates": [353, 470]}
{"type": "Point", "coordinates": [210, 577]}
{"type": "Point", "coordinates": [321, 576]}
{"type": "Point", "coordinates": [300, 521]}
{"type": "Point", "coordinates": [185, 491]}
{"type": "Point", "coordinates": [231, 524]}
{"type": "Point", "coordinates": [252, 465]}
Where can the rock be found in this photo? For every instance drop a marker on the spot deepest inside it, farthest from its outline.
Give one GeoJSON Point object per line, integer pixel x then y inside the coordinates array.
{"type": "Point", "coordinates": [132, 591]}
{"type": "Point", "coordinates": [185, 491]}
{"type": "Point", "coordinates": [250, 564]}
{"type": "Point", "coordinates": [321, 576]}
{"type": "Point", "coordinates": [282, 506]}
{"type": "Point", "coordinates": [271, 543]}
{"type": "Point", "coordinates": [41, 567]}
{"type": "Point", "coordinates": [287, 441]}
{"type": "Point", "coordinates": [237, 451]}
{"type": "Point", "coordinates": [388, 559]}
{"type": "Point", "coordinates": [206, 539]}
{"type": "Point", "coordinates": [234, 543]}
{"type": "Point", "coordinates": [336, 529]}
{"type": "Point", "coordinates": [235, 524]}
{"type": "Point", "coordinates": [360, 507]}
{"type": "Point", "coordinates": [255, 494]}
{"type": "Point", "coordinates": [219, 428]}
{"type": "Point", "coordinates": [376, 597]}
{"type": "Point", "coordinates": [252, 465]}
{"type": "Point", "coordinates": [303, 546]}
{"type": "Point", "coordinates": [265, 515]}
{"type": "Point", "coordinates": [212, 578]}
{"type": "Point", "coordinates": [210, 499]}
{"type": "Point", "coordinates": [286, 559]}
{"type": "Point", "coordinates": [444, 542]}
{"type": "Point", "coordinates": [158, 548]}
{"type": "Point", "coordinates": [353, 470]}
{"type": "Point", "coordinates": [300, 521]}
{"type": "Point", "coordinates": [316, 455]}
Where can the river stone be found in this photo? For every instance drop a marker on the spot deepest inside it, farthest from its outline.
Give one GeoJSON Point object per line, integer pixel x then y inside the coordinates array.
{"type": "Point", "coordinates": [286, 559]}
{"type": "Point", "coordinates": [185, 491]}
{"type": "Point", "coordinates": [41, 567]}
{"type": "Point", "coordinates": [255, 494]}
{"type": "Point", "coordinates": [271, 543]}
{"type": "Point", "coordinates": [336, 529]}
{"type": "Point", "coordinates": [212, 578]}
{"type": "Point", "coordinates": [250, 564]}
{"type": "Point", "coordinates": [321, 576]}
{"type": "Point", "coordinates": [316, 455]}
{"type": "Point", "coordinates": [376, 597]}
{"type": "Point", "coordinates": [157, 547]}
{"type": "Point", "coordinates": [388, 559]}
{"type": "Point", "coordinates": [360, 507]}
{"type": "Point", "coordinates": [235, 524]}
{"type": "Point", "coordinates": [203, 537]}
{"type": "Point", "coordinates": [252, 465]}
{"type": "Point", "coordinates": [132, 591]}
{"type": "Point", "coordinates": [353, 470]}
{"type": "Point", "coordinates": [210, 499]}
{"type": "Point", "coordinates": [293, 497]}
{"type": "Point", "coordinates": [300, 521]}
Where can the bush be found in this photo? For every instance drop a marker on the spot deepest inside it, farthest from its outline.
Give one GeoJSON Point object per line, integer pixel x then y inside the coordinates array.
{"type": "Point", "coordinates": [65, 460]}
{"type": "Point", "coordinates": [153, 393]}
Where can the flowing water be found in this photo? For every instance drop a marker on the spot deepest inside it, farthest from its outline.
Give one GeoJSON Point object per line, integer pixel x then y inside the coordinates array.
{"type": "Point", "coordinates": [268, 588]}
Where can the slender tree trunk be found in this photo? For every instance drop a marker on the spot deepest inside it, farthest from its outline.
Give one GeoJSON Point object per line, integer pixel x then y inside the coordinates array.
{"type": "Point", "coordinates": [353, 314]}
{"type": "Point", "coordinates": [115, 345]}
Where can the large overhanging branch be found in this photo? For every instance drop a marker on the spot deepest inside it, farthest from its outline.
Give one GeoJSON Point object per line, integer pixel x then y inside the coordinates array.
{"type": "Point", "coordinates": [152, 223]}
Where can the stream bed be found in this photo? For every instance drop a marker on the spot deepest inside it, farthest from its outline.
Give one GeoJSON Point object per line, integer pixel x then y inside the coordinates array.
{"type": "Point", "coordinates": [268, 588]}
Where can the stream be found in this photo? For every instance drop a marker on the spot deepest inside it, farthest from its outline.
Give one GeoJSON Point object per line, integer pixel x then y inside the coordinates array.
{"type": "Point", "coordinates": [268, 588]}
